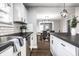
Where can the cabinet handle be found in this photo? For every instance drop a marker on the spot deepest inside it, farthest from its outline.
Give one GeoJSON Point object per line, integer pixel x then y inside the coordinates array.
{"type": "Point", "coordinates": [62, 44]}
{"type": "Point", "coordinates": [52, 41]}
{"type": "Point", "coordinates": [32, 38]}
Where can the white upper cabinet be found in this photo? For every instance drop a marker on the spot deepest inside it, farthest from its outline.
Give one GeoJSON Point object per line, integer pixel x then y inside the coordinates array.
{"type": "Point", "coordinates": [20, 12]}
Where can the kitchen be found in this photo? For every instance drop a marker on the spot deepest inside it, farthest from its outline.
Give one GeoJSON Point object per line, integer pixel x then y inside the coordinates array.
{"type": "Point", "coordinates": [23, 23]}
{"type": "Point", "coordinates": [14, 40]}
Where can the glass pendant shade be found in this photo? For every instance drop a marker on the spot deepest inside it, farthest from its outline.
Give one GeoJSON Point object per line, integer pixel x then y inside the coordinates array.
{"type": "Point", "coordinates": [64, 13]}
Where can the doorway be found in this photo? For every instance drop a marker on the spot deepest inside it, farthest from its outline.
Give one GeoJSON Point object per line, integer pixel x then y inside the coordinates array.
{"type": "Point", "coordinates": [43, 45]}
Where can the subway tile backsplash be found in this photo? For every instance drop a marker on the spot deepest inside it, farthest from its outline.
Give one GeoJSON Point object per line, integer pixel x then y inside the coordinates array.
{"type": "Point", "coordinates": [6, 30]}
{"type": "Point", "coordinates": [9, 30]}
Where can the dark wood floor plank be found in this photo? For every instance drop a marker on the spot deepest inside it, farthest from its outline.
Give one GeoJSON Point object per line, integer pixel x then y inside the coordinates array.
{"type": "Point", "coordinates": [42, 50]}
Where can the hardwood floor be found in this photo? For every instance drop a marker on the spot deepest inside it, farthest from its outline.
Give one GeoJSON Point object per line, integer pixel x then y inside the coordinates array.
{"type": "Point", "coordinates": [42, 50]}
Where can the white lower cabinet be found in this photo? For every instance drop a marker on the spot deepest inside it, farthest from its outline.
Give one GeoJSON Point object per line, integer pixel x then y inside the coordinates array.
{"type": "Point", "coordinates": [23, 48]}
{"type": "Point", "coordinates": [7, 52]}
{"type": "Point", "coordinates": [31, 41]}
{"type": "Point", "coordinates": [61, 51]}
{"type": "Point", "coordinates": [61, 48]}
{"type": "Point", "coordinates": [51, 44]}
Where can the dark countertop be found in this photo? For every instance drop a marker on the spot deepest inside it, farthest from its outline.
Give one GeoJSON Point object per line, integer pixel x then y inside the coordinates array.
{"type": "Point", "coordinates": [18, 34]}
{"type": "Point", "coordinates": [74, 40]}
{"type": "Point", "coordinates": [5, 43]}
{"type": "Point", "coordinates": [26, 34]}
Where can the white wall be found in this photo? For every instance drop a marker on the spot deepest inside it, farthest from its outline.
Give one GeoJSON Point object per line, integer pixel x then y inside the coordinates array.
{"type": "Point", "coordinates": [77, 14]}
{"type": "Point", "coordinates": [35, 12]}
{"type": "Point", "coordinates": [32, 20]}
{"type": "Point", "coordinates": [57, 25]}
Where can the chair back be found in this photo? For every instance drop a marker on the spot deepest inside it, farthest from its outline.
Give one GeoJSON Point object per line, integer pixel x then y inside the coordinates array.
{"type": "Point", "coordinates": [44, 33]}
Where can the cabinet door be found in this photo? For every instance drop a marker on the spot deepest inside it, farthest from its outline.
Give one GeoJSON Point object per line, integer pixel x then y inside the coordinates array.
{"type": "Point", "coordinates": [7, 52]}
{"type": "Point", "coordinates": [62, 51]}
{"type": "Point", "coordinates": [20, 12]}
{"type": "Point", "coordinates": [61, 48]}
{"type": "Point", "coordinates": [50, 40]}
{"type": "Point", "coordinates": [55, 47]}
{"type": "Point", "coordinates": [23, 48]}
{"type": "Point", "coordinates": [31, 41]}
{"type": "Point", "coordinates": [17, 11]}
{"type": "Point", "coordinates": [51, 44]}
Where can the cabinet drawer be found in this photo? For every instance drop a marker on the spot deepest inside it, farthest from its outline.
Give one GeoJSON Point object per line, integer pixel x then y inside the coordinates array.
{"type": "Point", "coordinates": [51, 49]}
{"type": "Point", "coordinates": [67, 46]}
{"type": "Point", "coordinates": [70, 48]}
{"type": "Point", "coordinates": [51, 40]}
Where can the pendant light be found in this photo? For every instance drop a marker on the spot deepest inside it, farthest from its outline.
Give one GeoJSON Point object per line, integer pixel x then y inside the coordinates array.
{"type": "Point", "coordinates": [64, 13]}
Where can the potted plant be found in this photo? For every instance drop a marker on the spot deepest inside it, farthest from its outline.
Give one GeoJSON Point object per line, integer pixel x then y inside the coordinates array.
{"type": "Point", "coordinates": [73, 25]}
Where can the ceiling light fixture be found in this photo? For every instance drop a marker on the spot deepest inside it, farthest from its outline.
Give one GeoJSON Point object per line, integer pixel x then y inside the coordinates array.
{"type": "Point", "coordinates": [64, 13]}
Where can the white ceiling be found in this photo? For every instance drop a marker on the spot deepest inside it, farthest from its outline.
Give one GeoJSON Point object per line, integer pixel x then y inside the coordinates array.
{"type": "Point", "coordinates": [52, 4]}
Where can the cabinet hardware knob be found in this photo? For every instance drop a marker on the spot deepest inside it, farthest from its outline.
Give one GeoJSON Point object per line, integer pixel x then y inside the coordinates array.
{"type": "Point", "coordinates": [62, 44]}
{"type": "Point", "coordinates": [32, 38]}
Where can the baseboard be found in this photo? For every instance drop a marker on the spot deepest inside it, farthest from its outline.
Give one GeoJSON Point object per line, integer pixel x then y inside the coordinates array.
{"type": "Point", "coordinates": [33, 47]}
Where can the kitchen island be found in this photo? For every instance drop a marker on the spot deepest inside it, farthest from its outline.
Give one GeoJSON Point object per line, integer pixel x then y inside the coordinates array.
{"type": "Point", "coordinates": [63, 44]}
